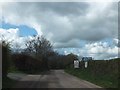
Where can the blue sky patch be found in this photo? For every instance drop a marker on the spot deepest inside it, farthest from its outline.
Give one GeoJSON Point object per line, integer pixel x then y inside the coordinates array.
{"type": "Point", "coordinates": [24, 30]}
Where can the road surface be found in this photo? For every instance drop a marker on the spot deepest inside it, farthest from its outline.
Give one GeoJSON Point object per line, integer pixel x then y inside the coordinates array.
{"type": "Point", "coordinates": [51, 79]}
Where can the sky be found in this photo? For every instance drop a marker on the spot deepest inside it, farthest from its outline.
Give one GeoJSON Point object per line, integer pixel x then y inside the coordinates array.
{"type": "Point", "coordinates": [83, 28]}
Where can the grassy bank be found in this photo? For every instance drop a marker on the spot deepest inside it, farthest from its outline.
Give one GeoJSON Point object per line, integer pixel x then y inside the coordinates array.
{"type": "Point", "coordinates": [105, 81]}
{"type": "Point", "coordinates": [8, 83]}
{"type": "Point", "coordinates": [102, 73]}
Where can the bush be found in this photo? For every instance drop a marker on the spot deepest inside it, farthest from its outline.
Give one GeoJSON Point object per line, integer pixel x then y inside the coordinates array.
{"type": "Point", "coordinates": [61, 61]}
{"type": "Point", "coordinates": [102, 67]}
{"type": "Point", "coordinates": [27, 63]}
{"type": "Point", "coordinates": [5, 58]}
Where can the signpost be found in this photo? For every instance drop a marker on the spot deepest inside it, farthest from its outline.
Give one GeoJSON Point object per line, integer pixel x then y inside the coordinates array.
{"type": "Point", "coordinates": [76, 64]}
{"type": "Point", "coordinates": [86, 59]}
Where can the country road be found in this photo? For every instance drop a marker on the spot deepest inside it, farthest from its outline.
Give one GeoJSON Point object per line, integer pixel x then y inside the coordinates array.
{"type": "Point", "coordinates": [51, 79]}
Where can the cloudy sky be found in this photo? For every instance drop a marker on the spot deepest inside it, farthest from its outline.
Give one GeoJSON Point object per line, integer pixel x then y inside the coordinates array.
{"type": "Point", "coordinates": [82, 28]}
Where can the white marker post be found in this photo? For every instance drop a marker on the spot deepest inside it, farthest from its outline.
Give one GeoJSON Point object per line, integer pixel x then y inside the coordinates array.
{"type": "Point", "coordinates": [76, 64]}
{"type": "Point", "coordinates": [86, 64]}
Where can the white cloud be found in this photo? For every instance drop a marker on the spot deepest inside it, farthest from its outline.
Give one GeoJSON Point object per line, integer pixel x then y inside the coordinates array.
{"type": "Point", "coordinates": [102, 50]}
{"type": "Point", "coordinates": [69, 24]}
{"type": "Point", "coordinates": [12, 35]}
{"type": "Point", "coordinates": [98, 51]}
{"type": "Point", "coordinates": [83, 21]}
{"type": "Point", "coordinates": [9, 34]}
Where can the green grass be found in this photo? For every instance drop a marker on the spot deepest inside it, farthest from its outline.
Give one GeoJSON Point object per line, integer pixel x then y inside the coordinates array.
{"type": "Point", "coordinates": [13, 69]}
{"type": "Point", "coordinates": [8, 83]}
{"type": "Point", "coordinates": [106, 81]}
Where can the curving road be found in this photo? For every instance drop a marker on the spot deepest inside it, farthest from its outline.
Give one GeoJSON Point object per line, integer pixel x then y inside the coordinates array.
{"type": "Point", "coordinates": [51, 79]}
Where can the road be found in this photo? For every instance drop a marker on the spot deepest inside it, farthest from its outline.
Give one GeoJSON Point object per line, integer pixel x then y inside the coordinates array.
{"type": "Point", "coordinates": [51, 79]}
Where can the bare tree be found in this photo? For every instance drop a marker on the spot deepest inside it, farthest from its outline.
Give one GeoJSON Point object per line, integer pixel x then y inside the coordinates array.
{"type": "Point", "coordinates": [40, 48]}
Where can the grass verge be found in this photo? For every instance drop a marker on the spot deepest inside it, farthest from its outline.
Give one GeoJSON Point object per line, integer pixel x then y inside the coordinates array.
{"type": "Point", "coordinates": [105, 81]}
{"type": "Point", "coordinates": [8, 83]}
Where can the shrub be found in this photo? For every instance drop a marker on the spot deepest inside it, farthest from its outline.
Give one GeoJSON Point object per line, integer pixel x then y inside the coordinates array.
{"type": "Point", "coordinates": [26, 63]}
{"type": "Point", "coordinates": [102, 67]}
{"type": "Point", "coordinates": [5, 58]}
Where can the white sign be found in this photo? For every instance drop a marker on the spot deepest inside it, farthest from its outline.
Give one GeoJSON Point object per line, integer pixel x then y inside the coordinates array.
{"type": "Point", "coordinates": [76, 64]}
{"type": "Point", "coordinates": [86, 64]}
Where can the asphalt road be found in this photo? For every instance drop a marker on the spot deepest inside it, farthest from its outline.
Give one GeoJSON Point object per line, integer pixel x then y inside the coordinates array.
{"type": "Point", "coordinates": [51, 79]}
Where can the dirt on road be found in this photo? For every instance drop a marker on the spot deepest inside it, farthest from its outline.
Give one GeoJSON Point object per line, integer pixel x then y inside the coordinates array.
{"type": "Point", "coordinates": [51, 79]}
